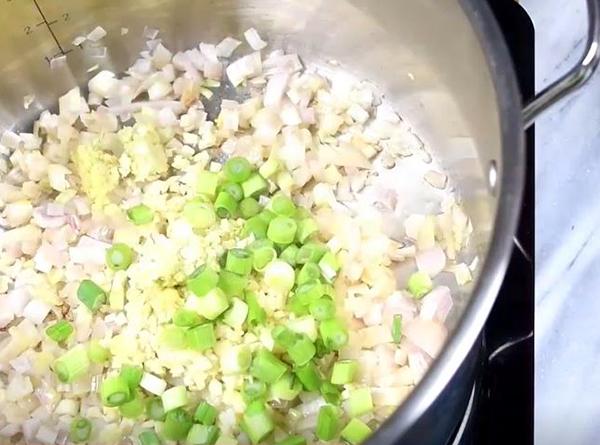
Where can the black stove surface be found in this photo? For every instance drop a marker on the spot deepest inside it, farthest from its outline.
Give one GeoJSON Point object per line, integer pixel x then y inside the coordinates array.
{"type": "Point", "coordinates": [502, 410]}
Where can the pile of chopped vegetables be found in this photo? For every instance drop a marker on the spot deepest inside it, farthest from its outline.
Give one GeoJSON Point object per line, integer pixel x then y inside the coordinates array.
{"type": "Point", "coordinates": [165, 277]}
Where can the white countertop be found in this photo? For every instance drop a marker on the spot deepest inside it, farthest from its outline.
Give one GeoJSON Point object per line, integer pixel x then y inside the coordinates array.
{"type": "Point", "coordinates": [567, 333]}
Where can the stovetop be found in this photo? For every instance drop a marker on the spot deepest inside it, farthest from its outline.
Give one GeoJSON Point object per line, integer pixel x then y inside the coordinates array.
{"type": "Point", "coordinates": [502, 408]}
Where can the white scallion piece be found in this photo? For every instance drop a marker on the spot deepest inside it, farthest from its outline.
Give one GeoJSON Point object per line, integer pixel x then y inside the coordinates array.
{"type": "Point", "coordinates": [153, 384]}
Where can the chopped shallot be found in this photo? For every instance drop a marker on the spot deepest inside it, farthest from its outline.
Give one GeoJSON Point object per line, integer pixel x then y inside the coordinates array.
{"type": "Point", "coordinates": [429, 335]}
{"type": "Point", "coordinates": [431, 261]}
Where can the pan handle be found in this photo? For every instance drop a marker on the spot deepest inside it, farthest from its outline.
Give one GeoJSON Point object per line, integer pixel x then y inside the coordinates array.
{"type": "Point", "coordinates": [574, 78]}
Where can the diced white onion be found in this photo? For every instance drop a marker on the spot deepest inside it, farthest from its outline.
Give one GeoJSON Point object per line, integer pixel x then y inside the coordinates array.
{"type": "Point", "coordinates": [244, 68]}
{"type": "Point", "coordinates": [254, 40]}
{"type": "Point", "coordinates": [96, 34]}
{"type": "Point", "coordinates": [103, 84]}
{"type": "Point", "coordinates": [36, 311]}
{"type": "Point", "coordinates": [275, 89]}
{"type": "Point", "coordinates": [89, 251]}
{"type": "Point", "coordinates": [227, 46]}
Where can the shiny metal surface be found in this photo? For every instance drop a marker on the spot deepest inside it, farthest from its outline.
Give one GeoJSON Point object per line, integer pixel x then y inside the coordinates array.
{"type": "Point", "coordinates": [576, 77]}
{"type": "Point", "coordinates": [443, 66]}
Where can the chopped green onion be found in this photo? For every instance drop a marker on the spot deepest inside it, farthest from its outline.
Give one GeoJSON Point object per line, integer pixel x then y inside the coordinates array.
{"type": "Point", "coordinates": [140, 214]}
{"type": "Point", "coordinates": [91, 295]}
{"type": "Point", "coordinates": [133, 408]}
{"type": "Point", "coordinates": [225, 205]}
{"type": "Point", "coordinates": [302, 351]}
{"type": "Point", "coordinates": [355, 432]}
{"type": "Point", "coordinates": [174, 397]}
{"type": "Point", "coordinates": [307, 227]}
{"type": "Point", "coordinates": [256, 314]}
{"type": "Point", "coordinates": [305, 325]}
{"type": "Point", "coordinates": [331, 393]}
{"type": "Point", "coordinates": [115, 391]}
{"type": "Point", "coordinates": [236, 315]}
{"type": "Point", "coordinates": [205, 414]}
{"type": "Point", "coordinates": [282, 205]}
{"type": "Point", "coordinates": [311, 252]}
{"type": "Point", "coordinates": [154, 409]}
{"type": "Point", "coordinates": [80, 430]}
{"type": "Point", "coordinates": [327, 423]}
{"type": "Point", "coordinates": [119, 256]}
{"type": "Point", "coordinates": [173, 337]}
{"type": "Point", "coordinates": [97, 353]}
{"type": "Point", "coordinates": [322, 350]}
{"type": "Point", "coordinates": [282, 230]}
{"type": "Point", "coordinates": [260, 244]}
{"type": "Point", "coordinates": [344, 372]}
{"type": "Point", "coordinates": [254, 390]}
{"type": "Point", "coordinates": [177, 424]}
{"type": "Point", "coordinates": [329, 266]}
{"type": "Point", "coordinates": [322, 309]}
{"type": "Point", "coordinates": [237, 169]}
{"type": "Point", "coordinates": [308, 292]}
{"type": "Point", "coordinates": [284, 180]}
{"type": "Point", "coordinates": [329, 290]}
{"type": "Point", "coordinates": [203, 280]}
{"type": "Point", "coordinates": [149, 437]}
{"type": "Point", "coordinates": [309, 376]}
{"type": "Point", "coordinates": [232, 284]}
{"type": "Point", "coordinates": [279, 276]}
{"type": "Point", "coordinates": [262, 257]}
{"type": "Point", "coordinates": [207, 183]}
{"type": "Point", "coordinates": [235, 190]}
{"type": "Point", "coordinates": [249, 207]}
{"type": "Point", "coordinates": [235, 360]}
{"type": "Point", "coordinates": [267, 216]}
{"type": "Point", "coordinates": [397, 328]}
{"type": "Point", "coordinates": [269, 168]}
{"type": "Point", "coordinates": [267, 367]}
{"type": "Point", "coordinates": [59, 331]}
{"type": "Point", "coordinates": [72, 364]}
{"type": "Point", "coordinates": [308, 272]}
{"type": "Point", "coordinates": [302, 213]}
{"type": "Point", "coordinates": [199, 214]}
{"type": "Point", "coordinates": [257, 422]}
{"type": "Point", "coordinates": [239, 261]}
{"type": "Point", "coordinates": [286, 388]}
{"type": "Point", "coordinates": [186, 318]}
{"type": "Point", "coordinates": [255, 226]}
{"type": "Point", "coordinates": [132, 375]}
{"type": "Point", "coordinates": [283, 336]}
{"type": "Point", "coordinates": [201, 337]}
{"type": "Point", "coordinates": [289, 254]}
{"type": "Point", "coordinates": [203, 435]}
{"type": "Point", "coordinates": [333, 333]}
{"type": "Point", "coordinates": [214, 303]}
{"type": "Point", "coordinates": [254, 185]}
{"type": "Point", "coordinates": [296, 306]}
{"type": "Point", "coordinates": [419, 284]}
{"type": "Point", "coordinates": [293, 440]}
{"type": "Point", "coordinates": [359, 402]}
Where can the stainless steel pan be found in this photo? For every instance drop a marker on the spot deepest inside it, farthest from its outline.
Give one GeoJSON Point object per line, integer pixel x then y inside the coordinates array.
{"type": "Point", "coordinates": [442, 63]}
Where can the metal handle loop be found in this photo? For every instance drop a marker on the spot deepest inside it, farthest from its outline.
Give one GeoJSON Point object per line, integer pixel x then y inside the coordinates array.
{"type": "Point", "coordinates": [575, 78]}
